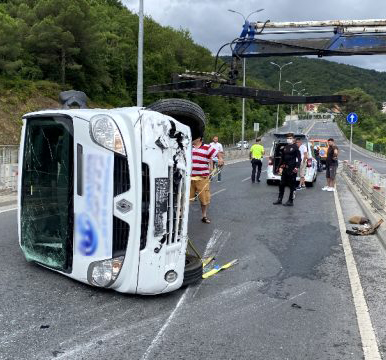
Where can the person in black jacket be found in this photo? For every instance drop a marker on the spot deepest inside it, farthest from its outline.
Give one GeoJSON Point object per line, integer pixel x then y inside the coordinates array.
{"type": "Point", "coordinates": [288, 168]}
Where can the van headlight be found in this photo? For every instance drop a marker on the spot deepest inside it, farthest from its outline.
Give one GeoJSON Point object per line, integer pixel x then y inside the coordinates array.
{"type": "Point", "coordinates": [105, 132]}
{"type": "Point", "coordinates": [104, 273]}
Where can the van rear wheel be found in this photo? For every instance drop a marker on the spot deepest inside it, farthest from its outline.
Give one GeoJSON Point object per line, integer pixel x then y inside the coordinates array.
{"type": "Point", "coordinates": [184, 111]}
{"type": "Point", "coordinates": [193, 270]}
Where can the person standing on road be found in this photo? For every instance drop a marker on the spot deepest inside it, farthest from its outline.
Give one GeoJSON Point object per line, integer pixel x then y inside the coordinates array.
{"type": "Point", "coordinates": [202, 166]}
{"type": "Point", "coordinates": [317, 157]}
{"type": "Point", "coordinates": [331, 165]}
{"type": "Point", "coordinates": [303, 164]}
{"type": "Point", "coordinates": [256, 155]}
{"type": "Point", "coordinates": [288, 168]}
{"type": "Point", "coordinates": [220, 150]}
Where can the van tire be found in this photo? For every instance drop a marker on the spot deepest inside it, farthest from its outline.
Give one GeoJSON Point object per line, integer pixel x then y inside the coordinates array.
{"type": "Point", "coordinates": [270, 182]}
{"type": "Point", "coordinates": [193, 270]}
{"type": "Point", "coordinates": [184, 111]}
{"type": "Point", "coordinates": [309, 184]}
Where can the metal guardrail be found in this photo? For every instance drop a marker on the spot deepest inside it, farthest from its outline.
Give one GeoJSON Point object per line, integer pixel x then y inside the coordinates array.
{"type": "Point", "coordinates": [370, 183]}
{"type": "Point", "coordinates": [8, 167]}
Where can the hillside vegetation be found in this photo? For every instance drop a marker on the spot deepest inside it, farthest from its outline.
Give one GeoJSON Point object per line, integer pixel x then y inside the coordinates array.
{"type": "Point", "coordinates": [47, 46]}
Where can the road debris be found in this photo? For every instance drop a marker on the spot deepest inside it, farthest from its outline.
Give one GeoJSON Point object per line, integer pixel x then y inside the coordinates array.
{"type": "Point", "coordinates": [365, 230]}
{"type": "Point", "coordinates": [218, 268]}
{"type": "Point", "coordinates": [361, 220]}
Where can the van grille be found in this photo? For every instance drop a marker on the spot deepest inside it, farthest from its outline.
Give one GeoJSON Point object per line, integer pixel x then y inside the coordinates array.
{"type": "Point", "coordinates": [121, 230]}
{"type": "Point", "coordinates": [121, 175]}
{"type": "Point", "coordinates": [176, 206]}
{"type": "Point", "coordinates": [145, 204]}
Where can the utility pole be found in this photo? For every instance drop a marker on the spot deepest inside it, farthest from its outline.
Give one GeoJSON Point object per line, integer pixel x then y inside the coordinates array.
{"type": "Point", "coordinates": [244, 64]}
{"type": "Point", "coordinates": [300, 94]}
{"type": "Point", "coordinates": [140, 57]}
{"type": "Point", "coordinates": [278, 106]}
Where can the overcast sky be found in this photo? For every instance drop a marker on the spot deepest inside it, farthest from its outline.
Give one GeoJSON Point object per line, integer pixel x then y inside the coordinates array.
{"type": "Point", "coordinates": [211, 25]}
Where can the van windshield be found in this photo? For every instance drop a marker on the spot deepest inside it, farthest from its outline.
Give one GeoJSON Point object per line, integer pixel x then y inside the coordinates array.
{"type": "Point", "coordinates": [47, 192]}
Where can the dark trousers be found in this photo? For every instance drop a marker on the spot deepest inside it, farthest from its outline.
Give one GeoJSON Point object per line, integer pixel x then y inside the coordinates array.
{"type": "Point", "coordinates": [256, 163]}
{"type": "Point", "coordinates": [288, 178]}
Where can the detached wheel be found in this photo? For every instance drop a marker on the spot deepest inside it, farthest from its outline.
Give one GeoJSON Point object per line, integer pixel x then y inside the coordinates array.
{"type": "Point", "coordinates": [184, 111]}
{"type": "Point", "coordinates": [193, 270]}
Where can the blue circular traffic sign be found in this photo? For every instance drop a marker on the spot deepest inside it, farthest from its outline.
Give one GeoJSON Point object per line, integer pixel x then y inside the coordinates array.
{"type": "Point", "coordinates": [352, 118]}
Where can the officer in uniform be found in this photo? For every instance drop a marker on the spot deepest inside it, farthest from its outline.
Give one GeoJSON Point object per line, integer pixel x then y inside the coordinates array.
{"type": "Point", "coordinates": [288, 168]}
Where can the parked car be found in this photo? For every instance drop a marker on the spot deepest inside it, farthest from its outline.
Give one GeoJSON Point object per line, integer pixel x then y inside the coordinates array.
{"type": "Point", "coordinates": [275, 155]}
{"type": "Point", "coordinates": [242, 145]}
{"type": "Point", "coordinates": [323, 147]}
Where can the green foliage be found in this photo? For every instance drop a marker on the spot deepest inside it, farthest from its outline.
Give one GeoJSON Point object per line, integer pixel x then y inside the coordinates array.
{"type": "Point", "coordinates": [371, 125]}
{"type": "Point", "coordinates": [91, 45]}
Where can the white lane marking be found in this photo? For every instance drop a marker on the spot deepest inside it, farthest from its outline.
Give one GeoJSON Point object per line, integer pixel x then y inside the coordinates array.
{"type": "Point", "coordinates": [168, 321]}
{"type": "Point", "coordinates": [218, 192]}
{"type": "Point", "coordinates": [3, 211]}
{"type": "Point", "coordinates": [366, 330]}
{"type": "Point", "coordinates": [210, 245]}
{"type": "Point", "coordinates": [249, 178]}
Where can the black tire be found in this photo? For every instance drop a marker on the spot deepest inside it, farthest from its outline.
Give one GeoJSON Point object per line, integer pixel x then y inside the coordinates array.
{"type": "Point", "coordinates": [193, 270]}
{"type": "Point", "coordinates": [184, 111]}
{"type": "Point", "coordinates": [270, 182]}
{"type": "Point", "coordinates": [309, 184]}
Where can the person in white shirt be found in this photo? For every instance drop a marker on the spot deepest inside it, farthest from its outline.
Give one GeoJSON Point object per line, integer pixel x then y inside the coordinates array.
{"type": "Point", "coordinates": [220, 150]}
{"type": "Point", "coordinates": [303, 164]}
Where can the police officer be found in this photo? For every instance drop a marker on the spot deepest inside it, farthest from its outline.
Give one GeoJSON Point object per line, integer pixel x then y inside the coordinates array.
{"type": "Point", "coordinates": [288, 168]}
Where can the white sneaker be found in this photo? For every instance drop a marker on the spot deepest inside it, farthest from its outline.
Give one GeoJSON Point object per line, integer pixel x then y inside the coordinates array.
{"type": "Point", "coordinates": [325, 188]}
{"type": "Point", "coordinates": [331, 189]}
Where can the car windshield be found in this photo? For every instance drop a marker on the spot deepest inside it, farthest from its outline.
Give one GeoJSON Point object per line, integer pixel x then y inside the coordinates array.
{"type": "Point", "coordinates": [47, 192]}
{"type": "Point", "coordinates": [320, 143]}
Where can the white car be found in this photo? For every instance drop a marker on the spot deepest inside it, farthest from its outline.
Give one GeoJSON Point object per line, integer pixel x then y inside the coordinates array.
{"type": "Point", "coordinates": [275, 156]}
{"type": "Point", "coordinates": [243, 145]}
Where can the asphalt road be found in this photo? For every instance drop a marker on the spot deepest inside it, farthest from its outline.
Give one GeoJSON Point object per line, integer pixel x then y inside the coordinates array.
{"type": "Point", "coordinates": [289, 297]}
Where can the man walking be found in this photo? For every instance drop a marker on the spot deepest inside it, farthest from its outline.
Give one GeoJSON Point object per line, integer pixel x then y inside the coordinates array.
{"type": "Point", "coordinates": [256, 154]}
{"type": "Point", "coordinates": [303, 164]}
{"type": "Point", "coordinates": [220, 150]}
{"type": "Point", "coordinates": [288, 168]}
{"type": "Point", "coordinates": [202, 165]}
{"type": "Point", "coordinates": [331, 165]}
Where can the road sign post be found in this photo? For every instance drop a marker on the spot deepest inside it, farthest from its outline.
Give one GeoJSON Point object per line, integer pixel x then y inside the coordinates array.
{"type": "Point", "coordinates": [256, 128]}
{"type": "Point", "coordinates": [351, 118]}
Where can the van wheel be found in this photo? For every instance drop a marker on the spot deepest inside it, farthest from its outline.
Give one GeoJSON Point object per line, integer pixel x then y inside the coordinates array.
{"type": "Point", "coordinates": [184, 111]}
{"type": "Point", "coordinates": [270, 182]}
{"type": "Point", "coordinates": [310, 184]}
{"type": "Point", "coordinates": [193, 270]}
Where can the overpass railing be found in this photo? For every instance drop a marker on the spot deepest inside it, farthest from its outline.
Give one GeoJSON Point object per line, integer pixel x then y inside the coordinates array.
{"type": "Point", "coordinates": [8, 167]}
{"type": "Point", "coordinates": [370, 183]}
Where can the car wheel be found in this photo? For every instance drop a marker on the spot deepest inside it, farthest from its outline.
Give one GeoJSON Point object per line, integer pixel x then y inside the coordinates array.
{"type": "Point", "coordinates": [184, 111]}
{"type": "Point", "coordinates": [193, 270]}
{"type": "Point", "coordinates": [310, 184]}
{"type": "Point", "coordinates": [270, 182]}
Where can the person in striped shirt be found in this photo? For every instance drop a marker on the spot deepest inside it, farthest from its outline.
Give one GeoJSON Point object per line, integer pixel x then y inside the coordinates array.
{"type": "Point", "coordinates": [202, 166]}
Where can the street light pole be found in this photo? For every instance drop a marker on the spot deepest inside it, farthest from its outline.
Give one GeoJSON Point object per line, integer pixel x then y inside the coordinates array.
{"type": "Point", "coordinates": [293, 89]}
{"type": "Point", "coordinates": [243, 110]}
{"type": "Point", "coordinates": [244, 64]}
{"type": "Point", "coordinates": [300, 93]}
{"type": "Point", "coordinates": [278, 106]}
{"type": "Point", "coordinates": [140, 57]}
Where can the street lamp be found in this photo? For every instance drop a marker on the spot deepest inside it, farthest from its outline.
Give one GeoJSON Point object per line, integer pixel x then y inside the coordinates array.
{"type": "Point", "coordinates": [140, 57]}
{"type": "Point", "coordinates": [299, 92]}
{"type": "Point", "coordinates": [243, 102]}
{"type": "Point", "coordinates": [278, 106]}
{"type": "Point", "coordinates": [293, 89]}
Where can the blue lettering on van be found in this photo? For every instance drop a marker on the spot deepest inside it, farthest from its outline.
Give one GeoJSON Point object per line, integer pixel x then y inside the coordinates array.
{"type": "Point", "coordinates": [88, 236]}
